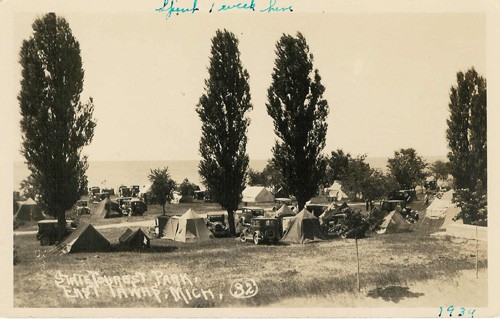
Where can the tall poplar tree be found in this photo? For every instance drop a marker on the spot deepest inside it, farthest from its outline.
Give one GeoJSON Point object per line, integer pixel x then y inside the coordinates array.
{"type": "Point", "coordinates": [466, 132]}
{"type": "Point", "coordinates": [299, 111]}
{"type": "Point", "coordinates": [222, 110]}
{"type": "Point", "coordinates": [55, 125]}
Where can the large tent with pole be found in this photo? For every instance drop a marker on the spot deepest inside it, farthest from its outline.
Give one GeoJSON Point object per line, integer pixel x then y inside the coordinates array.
{"type": "Point", "coordinates": [303, 228]}
{"type": "Point", "coordinates": [189, 227]}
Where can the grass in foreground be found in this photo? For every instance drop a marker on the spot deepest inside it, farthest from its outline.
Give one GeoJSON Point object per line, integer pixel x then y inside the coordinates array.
{"type": "Point", "coordinates": [281, 272]}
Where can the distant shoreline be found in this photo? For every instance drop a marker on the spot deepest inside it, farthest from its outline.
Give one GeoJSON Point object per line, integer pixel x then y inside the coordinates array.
{"type": "Point", "coordinates": [113, 173]}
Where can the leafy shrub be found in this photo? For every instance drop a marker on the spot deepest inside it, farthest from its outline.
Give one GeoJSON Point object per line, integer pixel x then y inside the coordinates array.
{"type": "Point", "coordinates": [473, 206]}
{"type": "Point", "coordinates": [355, 225]}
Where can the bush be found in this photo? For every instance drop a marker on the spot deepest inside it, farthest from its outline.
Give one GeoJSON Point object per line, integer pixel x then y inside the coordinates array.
{"type": "Point", "coordinates": [376, 217]}
{"type": "Point", "coordinates": [355, 225]}
{"type": "Point", "coordinates": [473, 206]}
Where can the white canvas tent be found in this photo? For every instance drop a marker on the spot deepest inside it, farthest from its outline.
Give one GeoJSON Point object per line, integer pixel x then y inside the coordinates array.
{"type": "Point", "coordinates": [394, 222]}
{"type": "Point", "coordinates": [437, 209]}
{"type": "Point", "coordinates": [335, 191]}
{"type": "Point", "coordinates": [257, 194]}
{"type": "Point", "coordinates": [189, 227]}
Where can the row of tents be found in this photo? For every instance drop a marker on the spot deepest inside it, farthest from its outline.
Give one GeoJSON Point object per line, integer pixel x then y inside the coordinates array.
{"type": "Point", "coordinates": [85, 238]}
{"type": "Point", "coordinates": [302, 228]}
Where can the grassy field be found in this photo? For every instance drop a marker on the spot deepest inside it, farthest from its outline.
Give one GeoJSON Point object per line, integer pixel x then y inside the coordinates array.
{"type": "Point", "coordinates": [213, 270]}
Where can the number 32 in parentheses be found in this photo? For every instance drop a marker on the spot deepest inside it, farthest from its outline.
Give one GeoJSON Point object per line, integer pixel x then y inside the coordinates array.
{"type": "Point", "coordinates": [450, 310]}
{"type": "Point", "coordinates": [243, 288]}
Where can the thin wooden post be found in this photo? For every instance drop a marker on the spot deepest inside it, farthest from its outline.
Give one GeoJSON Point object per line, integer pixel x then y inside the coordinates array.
{"type": "Point", "coordinates": [477, 255]}
{"type": "Point", "coordinates": [357, 258]}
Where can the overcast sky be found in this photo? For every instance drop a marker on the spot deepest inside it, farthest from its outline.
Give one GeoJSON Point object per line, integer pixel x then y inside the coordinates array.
{"type": "Point", "coordinates": [387, 77]}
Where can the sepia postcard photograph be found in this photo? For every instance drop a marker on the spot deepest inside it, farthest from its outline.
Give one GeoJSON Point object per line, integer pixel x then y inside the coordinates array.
{"type": "Point", "coordinates": [242, 158]}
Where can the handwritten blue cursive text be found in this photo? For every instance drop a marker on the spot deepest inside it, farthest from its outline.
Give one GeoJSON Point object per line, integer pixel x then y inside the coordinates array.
{"type": "Point", "coordinates": [172, 9]}
{"type": "Point", "coordinates": [274, 8]}
{"type": "Point", "coordinates": [244, 6]}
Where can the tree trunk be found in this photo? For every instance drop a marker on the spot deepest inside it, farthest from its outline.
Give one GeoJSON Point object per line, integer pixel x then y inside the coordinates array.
{"type": "Point", "coordinates": [232, 228]}
{"type": "Point", "coordinates": [61, 226]}
{"type": "Point", "coordinates": [163, 207]}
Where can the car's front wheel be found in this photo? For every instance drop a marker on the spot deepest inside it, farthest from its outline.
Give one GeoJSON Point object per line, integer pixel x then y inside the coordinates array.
{"type": "Point", "coordinates": [256, 239]}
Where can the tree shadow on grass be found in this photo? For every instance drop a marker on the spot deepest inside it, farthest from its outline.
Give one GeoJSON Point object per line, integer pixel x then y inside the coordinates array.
{"type": "Point", "coordinates": [393, 293]}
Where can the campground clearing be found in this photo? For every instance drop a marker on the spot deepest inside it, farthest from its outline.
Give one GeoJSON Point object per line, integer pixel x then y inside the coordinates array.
{"type": "Point", "coordinates": [402, 269]}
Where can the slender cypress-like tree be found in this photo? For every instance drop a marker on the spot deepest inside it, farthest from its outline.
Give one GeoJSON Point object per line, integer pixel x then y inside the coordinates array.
{"type": "Point", "coordinates": [466, 132]}
{"type": "Point", "coordinates": [55, 125]}
{"type": "Point", "coordinates": [299, 111]}
{"type": "Point", "coordinates": [222, 110]}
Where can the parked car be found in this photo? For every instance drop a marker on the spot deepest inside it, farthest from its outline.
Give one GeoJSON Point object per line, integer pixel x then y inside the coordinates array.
{"type": "Point", "coordinates": [135, 190]}
{"type": "Point", "coordinates": [123, 203]}
{"type": "Point", "coordinates": [135, 207]}
{"type": "Point", "coordinates": [47, 231]}
{"type": "Point", "coordinates": [243, 216]}
{"type": "Point", "coordinates": [82, 207]}
{"type": "Point", "coordinates": [93, 194]}
{"type": "Point", "coordinates": [124, 191]}
{"type": "Point", "coordinates": [262, 230]}
{"type": "Point", "coordinates": [388, 205]}
{"type": "Point", "coordinates": [218, 224]}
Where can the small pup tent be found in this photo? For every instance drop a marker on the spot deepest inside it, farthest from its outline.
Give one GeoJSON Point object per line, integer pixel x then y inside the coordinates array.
{"type": "Point", "coordinates": [394, 222]}
{"type": "Point", "coordinates": [303, 228]}
{"type": "Point", "coordinates": [85, 238]}
{"type": "Point", "coordinates": [257, 194]}
{"type": "Point", "coordinates": [190, 227]}
{"type": "Point", "coordinates": [28, 210]}
{"type": "Point", "coordinates": [134, 239]}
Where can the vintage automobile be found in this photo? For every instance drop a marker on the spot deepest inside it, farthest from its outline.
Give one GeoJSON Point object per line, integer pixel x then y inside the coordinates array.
{"type": "Point", "coordinates": [135, 207]}
{"type": "Point", "coordinates": [388, 205]}
{"type": "Point", "coordinates": [123, 203]}
{"type": "Point", "coordinates": [47, 231]}
{"type": "Point", "coordinates": [262, 230]}
{"type": "Point", "coordinates": [82, 207]}
{"type": "Point", "coordinates": [124, 191]}
{"type": "Point", "coordinates": [218, 224]}
{"type": "Point", "coordinates": [93, 194]}
{"type": "Point", "coordinates": [244, 215]}
{"type": "Point", "coordinates": [110, 191]}
{"type": "Point", "coordinates": [135, 190]}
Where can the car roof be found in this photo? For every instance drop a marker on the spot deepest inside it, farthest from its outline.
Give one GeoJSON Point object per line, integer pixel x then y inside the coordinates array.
{"type": "Point", "coordinates": [252, 207]}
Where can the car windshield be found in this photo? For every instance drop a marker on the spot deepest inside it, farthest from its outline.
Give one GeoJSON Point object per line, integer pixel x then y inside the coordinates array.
{"type": "Point", "coordinates": [216, 218]}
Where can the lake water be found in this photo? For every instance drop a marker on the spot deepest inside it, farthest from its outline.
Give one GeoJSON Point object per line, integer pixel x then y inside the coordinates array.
{"type": "Point", "coordinates": [116, 173]}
